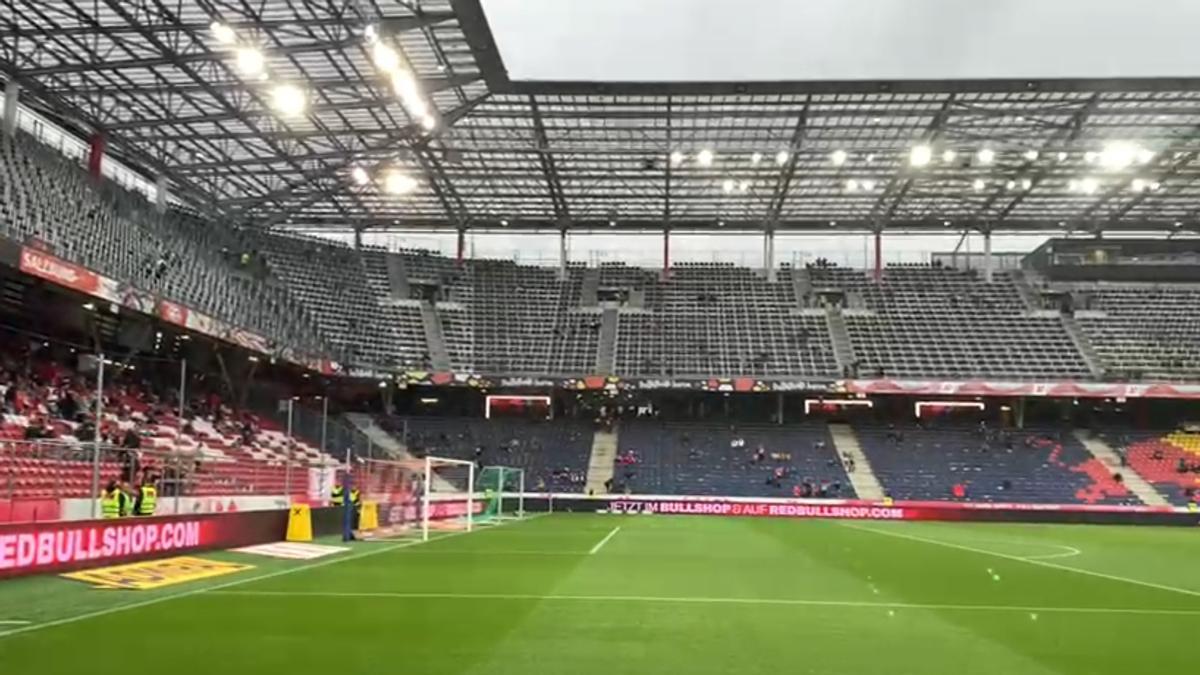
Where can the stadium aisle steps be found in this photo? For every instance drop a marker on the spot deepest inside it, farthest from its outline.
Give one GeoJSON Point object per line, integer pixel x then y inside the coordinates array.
{"type": "Point", "coordinates": [601, 466]}
{"type": "Point", "coordinates": [1133, 481]}
{"type": "Point", "coordinates": [865, 483]}
{"type": "Point", "coordinates": [390, 445]}
{"type": "Point", "coordinates": [434, 336]}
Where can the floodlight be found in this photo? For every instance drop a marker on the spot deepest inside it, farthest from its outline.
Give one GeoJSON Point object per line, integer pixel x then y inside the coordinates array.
{"type": "Point", "coordinates": [1138, 185]}
{"type": "Point", "coordinates": [1030, 155]}
{"type": "Point", "coordinates": [1089, 185]}
{"type": "Point", "coordinates": [399, 183]}
{"type": "Point", "coordinates": [727, 185]}
{"type": "Point", "coordinates": [1145, 156]}
{"type": "Point", "coordinates": [1026, 183]}
{"type": "Point", "coordinates": [360, 175]}
{"type": "Point", "coordinates": [705, 157]}
{"type": "Point", "coordinates": [949, 156]}
{"type": "Point", "coordinates": [250, 62]}
{"type": "Point", "coordinates": [756, 158]}
{"type": "Point", "coordinates": [986, 156]}
{"type": "Point", "coordinates": [920, 155]}
{"type": "Point", "coordinates": [289, 100]}
{"type": "Point", "coordinates": [781, 157]}
{"type": "Point", "coordinates": [386, 58]}
{"type": "Point", "coordinates": [868, 184]}
{"type": "Point", "coordinates": [429, 122]}
{"type": "Point", "coordinates": [224, 34]}
{"type": "Point", "coordinates": [676, 158]}
{"type": "Point", "coordinates": [744, 186]}
{"type": "Point", "coordinates": [852, 185]}
{"type": "Point", "coordinates": [838, 157]}
{"type": "Point", "coordinates": [1118, 155]}
{"type": "Point", "coordinates": [1062, 156]}
{"type": "Point", "coordinates": [979, 184]}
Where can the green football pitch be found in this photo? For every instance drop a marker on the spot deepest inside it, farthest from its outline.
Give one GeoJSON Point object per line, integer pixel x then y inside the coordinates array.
{"type": "Point", "coordinates": [584, 594]}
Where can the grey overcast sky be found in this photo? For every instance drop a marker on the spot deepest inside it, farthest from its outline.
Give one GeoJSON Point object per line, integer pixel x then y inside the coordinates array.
{"type": "Point", "coordinates": [764, 40]}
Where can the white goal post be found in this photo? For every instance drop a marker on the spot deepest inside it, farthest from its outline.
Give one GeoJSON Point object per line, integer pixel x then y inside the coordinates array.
{"type": "Point", "coordinates": [449, 486]}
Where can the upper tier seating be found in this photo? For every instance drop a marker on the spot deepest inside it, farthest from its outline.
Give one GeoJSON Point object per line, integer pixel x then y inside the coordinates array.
{"type": "Point", "coordinates": [48, 198]}
{"type": "Point", "coordinates": [1146, 332]}
{"type": "Point", "coordinates": [341, 288]}
{"type": "Point", "coordinates": [926, 463]}
{"type": "Point", "coordinates": [717, 459]}
{"type": "Point", "coordinates": [554, 453]}
{"type": "Point", "coordinates": [933, 321]}
{"type": "Point", "coordinates": [717, 318]}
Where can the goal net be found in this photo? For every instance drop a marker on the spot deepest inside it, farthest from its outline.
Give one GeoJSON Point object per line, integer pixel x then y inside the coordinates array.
{"type": "Point", "coordinates": [502, 491]}
{"type": "Point", "coordinates": [417, 496]}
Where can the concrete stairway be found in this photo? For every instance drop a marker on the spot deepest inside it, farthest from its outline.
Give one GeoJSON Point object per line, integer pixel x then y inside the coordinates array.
{"type": "Point", "coordinates": [397, 277]}
{"type": "Point", "coordinates": [589, 293]}
{"type": "Point", "coordinates": [1102, 451]}
{"type": "Point", "coordinates": [391, 446]}
{"type": "Point", "coordinates": [801, 286]}
{"type": "Point", "coordinates": [601, 464]}
{"type": "Point", "coordinates": [843, 351]}
{"type": "Point", "coordinates": [432, 323]}
{"type": "Point", "coordinates": [866, 485]}
{"type": "Point", "coordinates": [1025, 289]}
{"type": "Point", "coordinates": [607, 349]}
{"type": "Point", "coordinates": [1084, 346]}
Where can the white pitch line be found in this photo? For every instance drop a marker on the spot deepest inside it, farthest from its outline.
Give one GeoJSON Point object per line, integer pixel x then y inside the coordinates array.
{"type": "Point", "coordinates": [1030, 561]}
{"type": "Point", "coordinates": [599, 545]}
{"type": "Point", "coordinates": [231, 584]}
{"type": "Point", "coordinates": [1070, 552]}
{"type": "Point", "coordinates": [853, 604]}
{"type": "Point", "coordinates": [14, 622]}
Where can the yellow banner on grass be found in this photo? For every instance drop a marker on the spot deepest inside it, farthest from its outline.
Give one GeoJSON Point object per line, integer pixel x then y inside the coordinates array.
{"type": "Point", "coordinates": [151, 574]}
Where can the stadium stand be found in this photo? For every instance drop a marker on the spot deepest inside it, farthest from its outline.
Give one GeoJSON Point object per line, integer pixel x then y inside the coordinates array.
{"type": "Point", "coordinates": [1035, 466]}
{"type": "Point", "coordinates": [926, 321]}
{"type": "Point", "coordinates": [48, 429]}
{"type": "Point", "coordinates": [554, 453]}
{"type": "Point", "coordinates": [717, 318]}
{"type": "Point", "coordinates": [1169, 461]}
{"type": "Point", "coordinates": [713, 459]}
{"type": "Point", "coordinates": [1144, 332]}
{"type": "Point", "coordinates": [47, 198]}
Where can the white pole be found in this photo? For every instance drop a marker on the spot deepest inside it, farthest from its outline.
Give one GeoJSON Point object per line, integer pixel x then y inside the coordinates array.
{"type": "Point", "coordinates": [425, 502]}
{"type": "Point", "coordinates": [96, 438]}
{"type": "Point", "coordinates": [470, 495]}
{"type": "Point", "coordinates": [179, 431]}
{"type": "Point", "coordinates": [324, 420]}
{"type": "Point", "coordinates": [287, 464]}
{"type": "Point", "coordinates": [521, 497]}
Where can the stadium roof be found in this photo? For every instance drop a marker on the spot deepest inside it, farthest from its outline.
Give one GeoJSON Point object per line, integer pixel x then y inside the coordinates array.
{"type": "Point", "coordinates": [168, 84]}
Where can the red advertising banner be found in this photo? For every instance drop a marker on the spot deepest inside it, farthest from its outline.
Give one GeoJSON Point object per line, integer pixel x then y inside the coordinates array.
{"type": "Point", "coordinates": [173, 313]}
{"type": "Point", "coordinates": [51, 268]}
{"type": "Point", "coordinates": [34, 548]}
{"type": "Point", "coordinates": [862, 510]}
{"type": "Point", "coordinates": [1055, 389]}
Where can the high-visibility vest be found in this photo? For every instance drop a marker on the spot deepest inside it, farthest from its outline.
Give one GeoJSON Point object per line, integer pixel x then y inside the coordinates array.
{"type": "Point", "coordinates": [110, 504]}
{"type": "Point", "coordinates": [337, 497]}
{"type": "Point", "coordinates": [355, 497]}
{"type": "Point", "coordinates": [149, 500]}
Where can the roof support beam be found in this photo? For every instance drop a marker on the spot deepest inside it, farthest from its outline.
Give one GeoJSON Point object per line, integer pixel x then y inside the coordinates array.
{"type": "Point", "coordinates": [1069, 132]}
{"type": "Point", "coordinates": [784, 182]}
{"type": "Point", "coordinates": [897, 189]}
{"type": "Point", "coordinates": [549, 170]}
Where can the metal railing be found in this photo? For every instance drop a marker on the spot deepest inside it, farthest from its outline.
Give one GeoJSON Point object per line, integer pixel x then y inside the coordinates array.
{"type": "Point", "coordinates": [41, 470]}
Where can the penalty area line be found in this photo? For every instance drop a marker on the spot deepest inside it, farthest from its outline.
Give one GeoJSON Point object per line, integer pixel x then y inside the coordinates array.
{"type": "Point", "coordinates": [599, 545]}
{"type": "Point", "coordinates": [14, 622]}
{"type": "Point", "coordinates": [1040, 562]}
